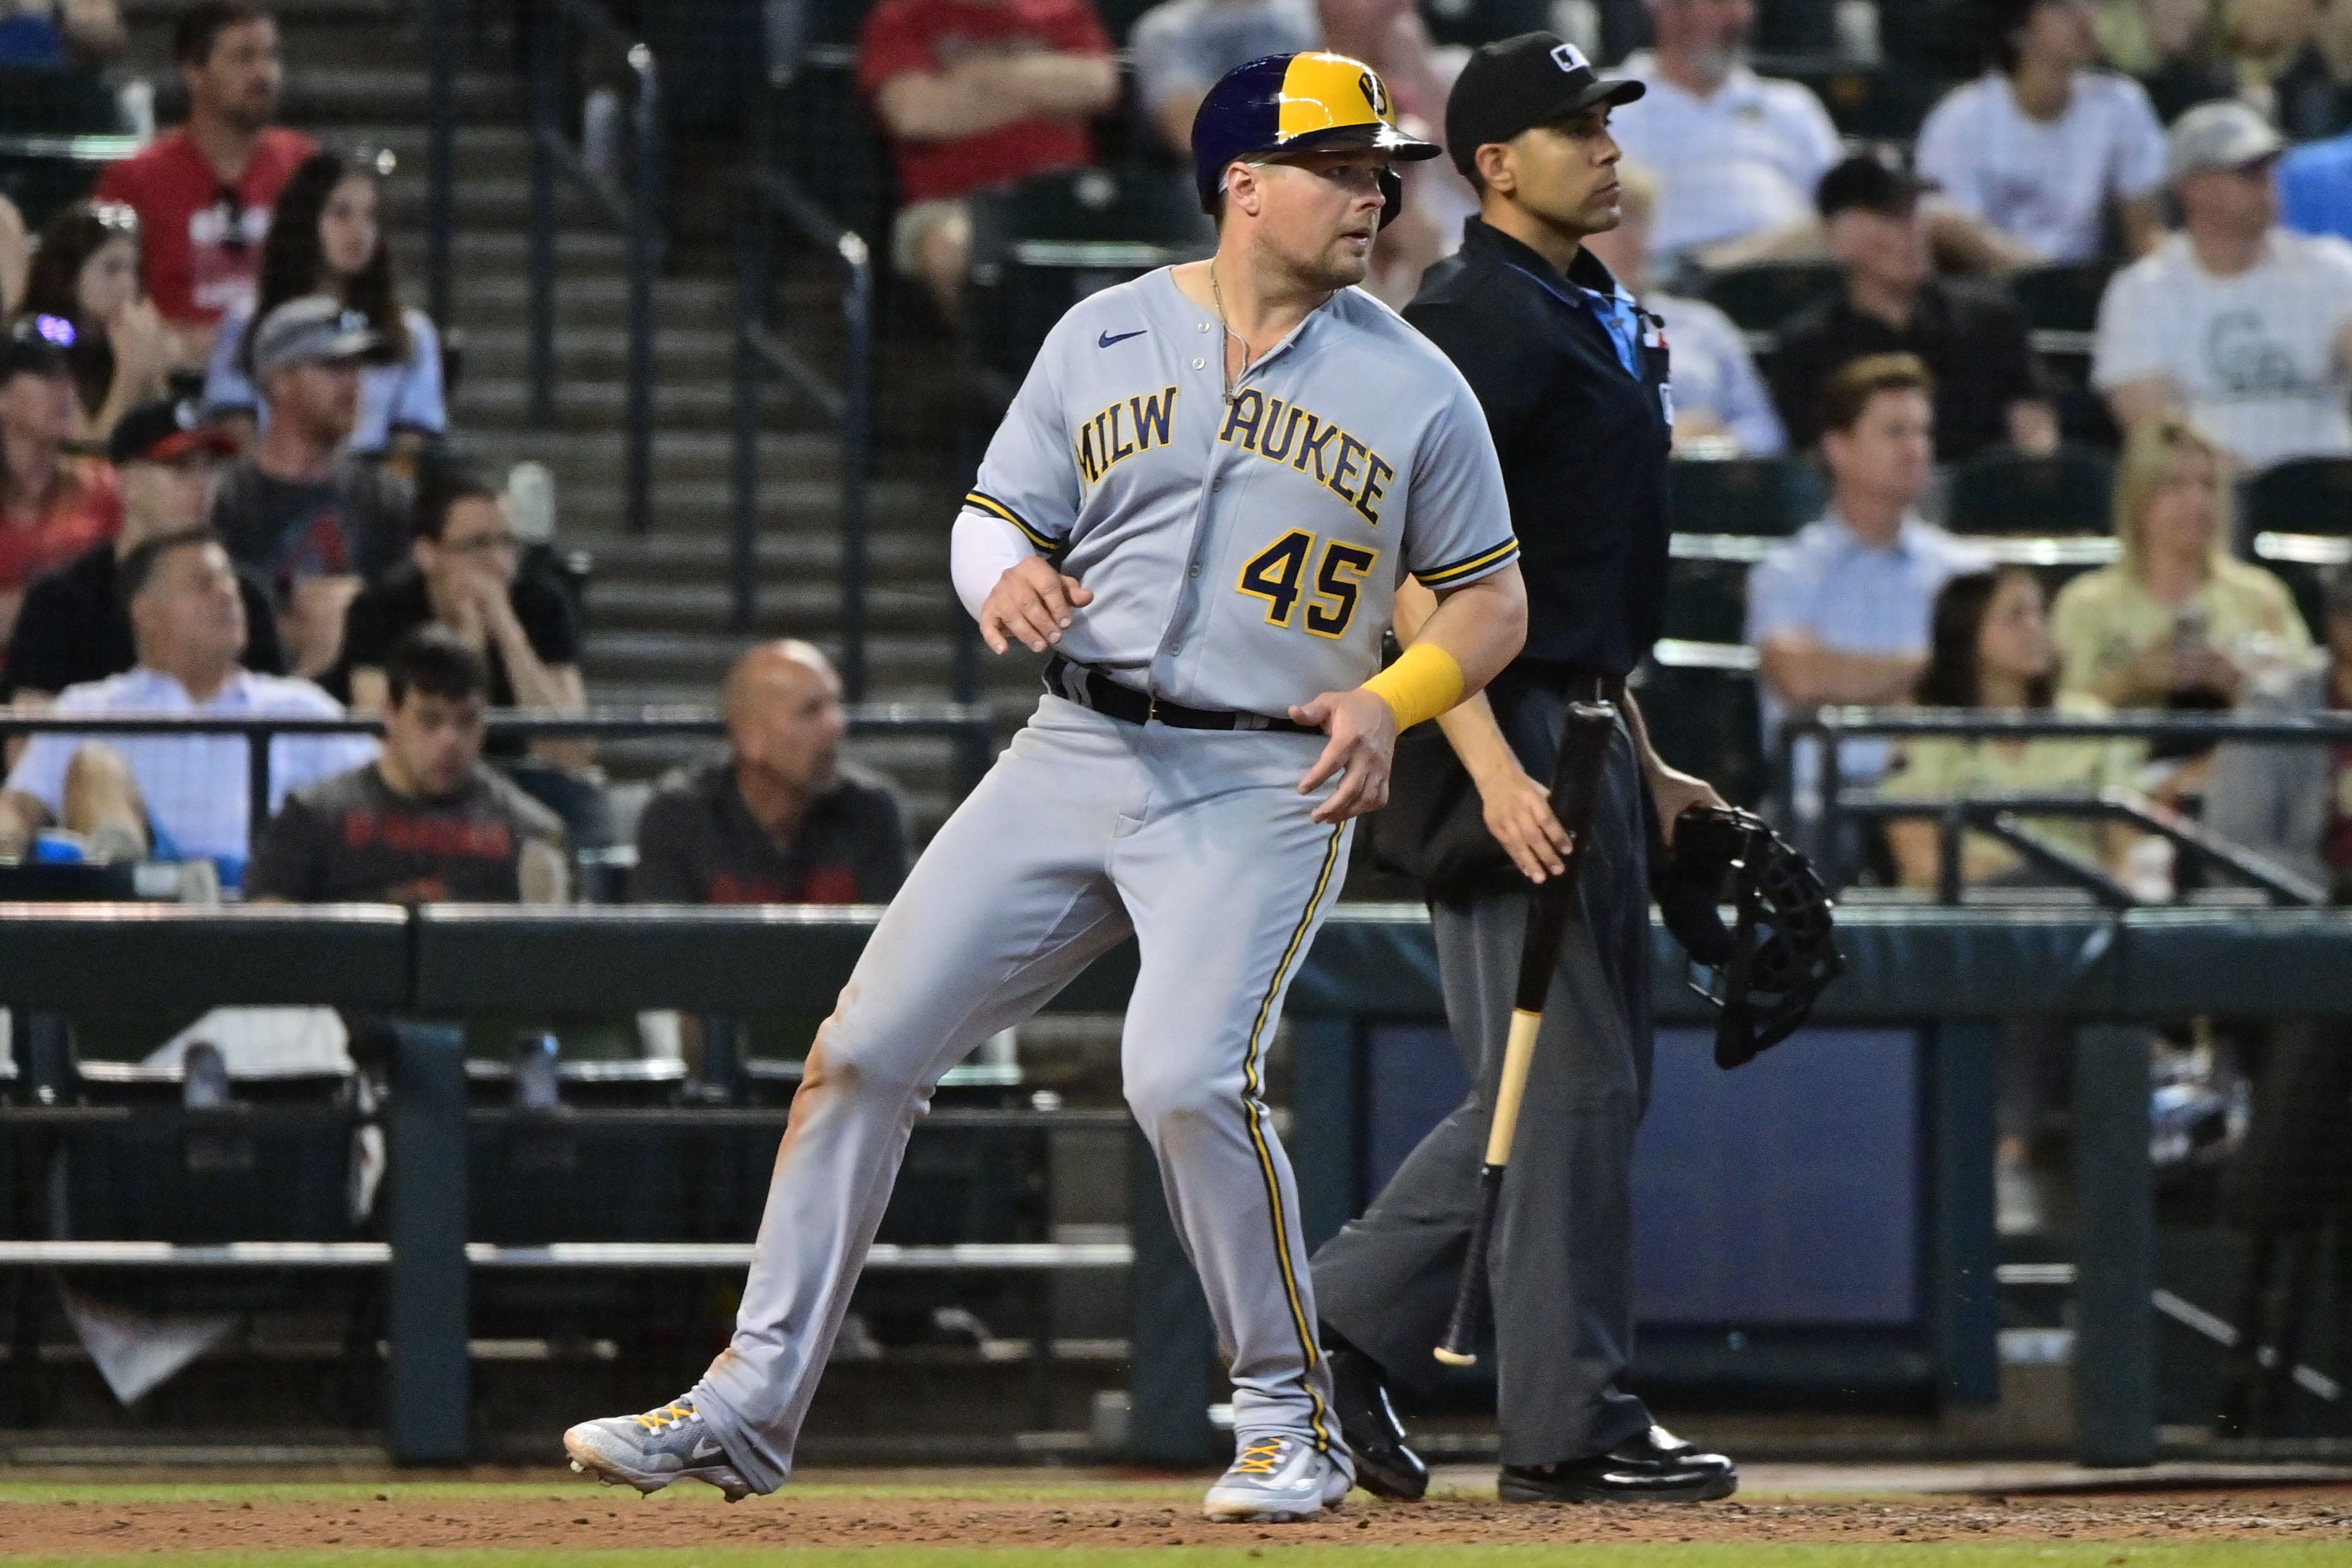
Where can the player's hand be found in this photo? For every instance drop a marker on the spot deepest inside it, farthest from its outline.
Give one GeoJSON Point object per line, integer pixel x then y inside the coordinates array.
{"type": "Point", "coordinates": [1031, 603]}
{"type": "Point", "coordinates": [1674, 791]}
{"type": "Point", "coordinates": [1518, 813]}
{"type": "Point", "coordinates": [1363, 731]}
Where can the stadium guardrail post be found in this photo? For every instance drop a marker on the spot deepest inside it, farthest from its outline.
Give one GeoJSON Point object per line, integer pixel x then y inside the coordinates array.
{"type": "Point", "coordinates": [427, 1290]}
{"type": "Point", "coordinates": [1172, 1346]}
{"type": "Point", "coordinates": [2114, 1333]}
{"type": "Point", "coordinates": [1966, 1245]}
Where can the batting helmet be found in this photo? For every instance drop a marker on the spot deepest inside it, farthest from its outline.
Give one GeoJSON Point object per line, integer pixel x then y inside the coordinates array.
{"type": "Point", "coordinates": [1298, 103]}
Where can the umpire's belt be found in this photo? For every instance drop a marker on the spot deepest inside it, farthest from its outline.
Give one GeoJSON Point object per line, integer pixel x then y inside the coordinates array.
{"type": "Point", "coordinates": [1576, 685]}
{"type": "Point", "coordinates": [1092, 688]}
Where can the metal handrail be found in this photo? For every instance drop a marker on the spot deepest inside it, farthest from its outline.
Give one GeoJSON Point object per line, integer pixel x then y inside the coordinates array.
{"type": "Point", "coordinates": [966, 724]}
{"type": "Point", "coordinates": [759, 355]}
{"type": "Point", "coordinates": [1830, 728]}
{"type": "Point", "coordinates": [636, 214]}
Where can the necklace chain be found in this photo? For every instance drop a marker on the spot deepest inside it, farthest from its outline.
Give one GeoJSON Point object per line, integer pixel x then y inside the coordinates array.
{"type": "Point", "coordinates": [1224, 373]}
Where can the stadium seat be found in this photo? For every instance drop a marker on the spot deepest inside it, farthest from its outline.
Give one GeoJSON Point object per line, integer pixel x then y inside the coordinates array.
{"type": "Point", "coordinates": [1706, 721]}
{"type": "Point", "coordinates": [1040, 247]}
{"type": "Point", "coordinates": [2302, 496]}
{"type": "Point", "coordinates": [47, 118]}
{"type": "Point", "coordinates": [2003, 491]}
{"type": "Point", "coordinates": [1759, 297]}
{"type": "Point", "coordinates": [2059, 299]}
{"type": "Point", "coordinates": [1738, 495]}
{"type": "Point", "coordinates": [1880, 103]}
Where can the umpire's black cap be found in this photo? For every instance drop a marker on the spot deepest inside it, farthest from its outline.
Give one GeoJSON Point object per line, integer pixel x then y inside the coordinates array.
{"type": "Point", "coordinates": [1521, 83]}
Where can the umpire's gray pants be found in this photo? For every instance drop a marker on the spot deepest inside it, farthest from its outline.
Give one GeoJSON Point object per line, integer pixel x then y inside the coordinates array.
{"type": "Point", "coordinates": [1086, 830]}
{"type": "Point", "coordinates": [1560, 1268]}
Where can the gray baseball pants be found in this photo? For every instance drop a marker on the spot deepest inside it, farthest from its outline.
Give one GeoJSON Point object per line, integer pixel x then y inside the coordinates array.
{"type": "Point", "coordinates": [1086, 830]}
{"type": "Point", "coordinates": [1561, 1270]}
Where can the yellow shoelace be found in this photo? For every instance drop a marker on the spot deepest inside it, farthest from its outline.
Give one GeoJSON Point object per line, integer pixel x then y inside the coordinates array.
{"type": "Point", "coordinates": [667, 1416]}
{"type": "Point", "coordinates": [1260, 1459]}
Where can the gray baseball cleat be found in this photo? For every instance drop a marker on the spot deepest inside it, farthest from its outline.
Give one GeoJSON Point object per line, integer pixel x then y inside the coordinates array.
{"type": "Point", "coordinates": [1276, 1480]}
{"type": "Point", "coordinates": [651, 1451]}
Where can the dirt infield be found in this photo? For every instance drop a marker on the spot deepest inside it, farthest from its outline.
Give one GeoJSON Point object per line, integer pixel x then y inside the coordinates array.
{"type": "Point", "coordinates": [1041, 1511]}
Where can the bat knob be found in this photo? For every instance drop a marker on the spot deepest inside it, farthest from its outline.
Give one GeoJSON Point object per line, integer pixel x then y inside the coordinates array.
{"type": "Point", "coordinates": [1454, 1357]}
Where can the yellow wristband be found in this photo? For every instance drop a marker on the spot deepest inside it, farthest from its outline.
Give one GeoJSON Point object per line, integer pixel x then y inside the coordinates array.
{"type": "Point", "coordinates": [1424, 682]}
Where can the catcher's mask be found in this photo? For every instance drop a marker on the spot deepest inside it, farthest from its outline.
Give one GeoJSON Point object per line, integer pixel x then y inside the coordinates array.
{"type": "Point", "coordinates": [1766, 969]}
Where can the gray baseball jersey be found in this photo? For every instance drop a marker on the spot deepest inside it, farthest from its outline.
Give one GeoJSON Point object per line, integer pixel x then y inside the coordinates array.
{"type": "Point", "coordinates": [1243, 555]}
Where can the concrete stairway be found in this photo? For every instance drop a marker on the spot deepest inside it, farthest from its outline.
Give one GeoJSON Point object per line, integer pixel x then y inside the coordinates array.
{"type": "Point", "coordinates": [659, 607]}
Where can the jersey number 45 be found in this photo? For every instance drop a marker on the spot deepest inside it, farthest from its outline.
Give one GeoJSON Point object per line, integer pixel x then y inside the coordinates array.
{"type": "Point", "coordinates": [1276, 575]}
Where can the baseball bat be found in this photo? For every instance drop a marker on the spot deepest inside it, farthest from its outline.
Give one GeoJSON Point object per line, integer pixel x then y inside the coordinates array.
{"type": "Point", "coordinates": [1575, 788]}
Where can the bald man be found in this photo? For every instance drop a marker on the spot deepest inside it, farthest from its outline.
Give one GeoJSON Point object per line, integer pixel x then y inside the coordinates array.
{"type": "Point", "coordinates": [780, 819]}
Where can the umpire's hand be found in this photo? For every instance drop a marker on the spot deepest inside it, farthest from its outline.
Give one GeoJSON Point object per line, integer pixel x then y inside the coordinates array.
{"type": "Point", "coordinates": [1033, 603]}
{"type": "Point", "coordinates": [1363, 731]}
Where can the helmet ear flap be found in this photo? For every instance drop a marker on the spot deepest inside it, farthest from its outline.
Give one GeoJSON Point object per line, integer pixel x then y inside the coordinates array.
{"type": "Point", "coordinates": [1391, 196]}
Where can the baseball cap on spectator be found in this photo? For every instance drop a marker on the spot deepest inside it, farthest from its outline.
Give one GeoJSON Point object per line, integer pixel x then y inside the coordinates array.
{"type": "Point", "coordinates": [36, 346]}
{"type": "Point", "coordinates": [1880, 181]}
{"type": "Point", "coordinates": [164, 431]}
{"type": "Point", "coordinates": [2224, 135]}
{"type": "Point", "coordinates": [308, 331]}
{"type": "Point", "coordinates": [1520, 83]}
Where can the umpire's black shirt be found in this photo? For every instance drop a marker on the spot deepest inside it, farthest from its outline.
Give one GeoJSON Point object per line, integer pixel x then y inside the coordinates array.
{"type": "Point", "coordinates": [1584, 442]}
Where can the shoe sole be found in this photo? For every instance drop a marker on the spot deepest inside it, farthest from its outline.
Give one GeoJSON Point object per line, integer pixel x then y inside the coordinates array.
{"type": "Point", "coordinates": [1380, 1481]}
{"type": "Point", "coordinates": [1712, 1490]}
{"type": "Point", "coordinates": [1238, 1514]}
{"type": "Point", "coordinates": [586, 1460]}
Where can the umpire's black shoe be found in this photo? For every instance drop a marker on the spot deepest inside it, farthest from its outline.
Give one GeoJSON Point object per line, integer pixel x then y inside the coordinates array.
{"type": "Point", "coordinates": [1384, 1466]}
{"type": "Point", "coordinates": [1656, 1466]}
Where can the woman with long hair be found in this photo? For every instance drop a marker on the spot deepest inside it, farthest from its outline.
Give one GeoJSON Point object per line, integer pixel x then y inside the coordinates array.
{"type": "Point", "coordinates": [2177, 623]}
{"type": "Point", "coordinates": [53, 504]}
{"type": "Point", "coordinates": [1989, 648]}
{"type": "Point", "coordinates": [326, 236]}
{"type": "Point", "coordinates": [86, 275]}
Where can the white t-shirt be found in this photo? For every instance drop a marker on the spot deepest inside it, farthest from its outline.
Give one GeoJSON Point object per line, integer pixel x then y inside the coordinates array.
{"type": "Point", "coordinates": [1744, 160]}
{"type": "Point", "coordinates": [2254, 357]}
{"type": "Point", "coordinates": [2046, 183]}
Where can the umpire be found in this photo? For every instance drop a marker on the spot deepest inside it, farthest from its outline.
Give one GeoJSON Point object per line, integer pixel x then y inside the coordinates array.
{"type": "Point", "coordinates": [1572, 376]}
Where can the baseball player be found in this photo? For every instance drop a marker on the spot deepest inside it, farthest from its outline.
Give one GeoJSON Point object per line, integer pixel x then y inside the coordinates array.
{"type": "Point", "coordinates": [1201, 503]}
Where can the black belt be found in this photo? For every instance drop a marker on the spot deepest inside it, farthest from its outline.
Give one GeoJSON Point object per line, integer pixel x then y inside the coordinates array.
{"type": "Point", "coordinates": [1092, 689]}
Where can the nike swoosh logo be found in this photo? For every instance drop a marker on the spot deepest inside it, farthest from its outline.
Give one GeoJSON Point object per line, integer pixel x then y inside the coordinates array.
{"type": "Point", "coordinates": [705, 1449]}
{"type": "Point", "coordinates": [1107, 340]}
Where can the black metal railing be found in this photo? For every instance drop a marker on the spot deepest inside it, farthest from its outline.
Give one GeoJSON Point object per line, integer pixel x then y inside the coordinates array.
{"type": "Point", "coordinates": [968, 726]}
{"type": "Point", "coordinates": [556, 25]}
{"type": "Point", "coordinates": [760, 355]}
{"type": "Point", "coordinates": [1821, 813]}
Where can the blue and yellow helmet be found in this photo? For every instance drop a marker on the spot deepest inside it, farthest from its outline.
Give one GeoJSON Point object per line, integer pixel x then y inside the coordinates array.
{"type": "Point", "coordinates": [1298, 103]}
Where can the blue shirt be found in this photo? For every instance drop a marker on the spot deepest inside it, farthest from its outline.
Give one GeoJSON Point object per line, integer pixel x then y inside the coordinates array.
{"type": "Point", "coordinates": [406, 396]}
{"type": "Point", "coordinates": [1854, 597]}
{"type": "Point", "coordinates": [2314, 185]}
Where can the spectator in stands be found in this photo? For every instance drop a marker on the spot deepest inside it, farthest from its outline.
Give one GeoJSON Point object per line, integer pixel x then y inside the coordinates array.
{"type": "Point", "coordinates": [2039, 150]}
{"type": "Point", "coordinates": [176, 797]}
{"type": "Point", "coordinates": [976, 93]}
{"type": "Point", "coordinates": [1737, 154]}
{"type": "Point", "coordinates": [782, 819]}
{"type": "Point", "coordinates": [311, 518]}
{"type": "Point", "coordinates": [16, 257]}
{"type": "Point", "coordinates": [56, 33]}
{"type": "Point", "coordinates": [2177, 622]}
{"type": "Point", "coordinates": [327, 239]}
{"type": "Point", "coordinates": [426, 819]}
{"type": "Point", "coordinates": [2242, 325]}
{"type": "Point", "coordinates": [2314, 185]}
{"type": "Point", "coordinates": [74, 627]}
{"type": "Point", "coordinates": [1389, 37]}
{"type": "Point", "coordinates": [464, 575]}
{"type": "Point", "coordinates": [53, 506]}
{"type": "Point", "coordinates": [85, 274]}
{"type": "Point", "coordinates": [1717, 393]}
{"type": "Point", "coordinates": [1989, 647]}
{"type": "Point", "coordinates": [1181, 46]}
{"type": "Point", "coordinates": [1989, 387]}
{"type": "Point", "coordinates": [203, 191]}
{"type": "Point", "coordinates": [1840, 613]}
{"type": "Point", "coordinates": [2176, 49]}
{"type": "Point", "coordinates": [2293, 803]}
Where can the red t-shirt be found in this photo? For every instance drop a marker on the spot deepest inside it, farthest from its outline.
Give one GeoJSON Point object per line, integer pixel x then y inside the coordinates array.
{"type": "Point", "coordinates": [84, 511]}
{"type": "Point", "coordinates": [933, 36]}
{"type": "Point", "coordinates": [200, 235]}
